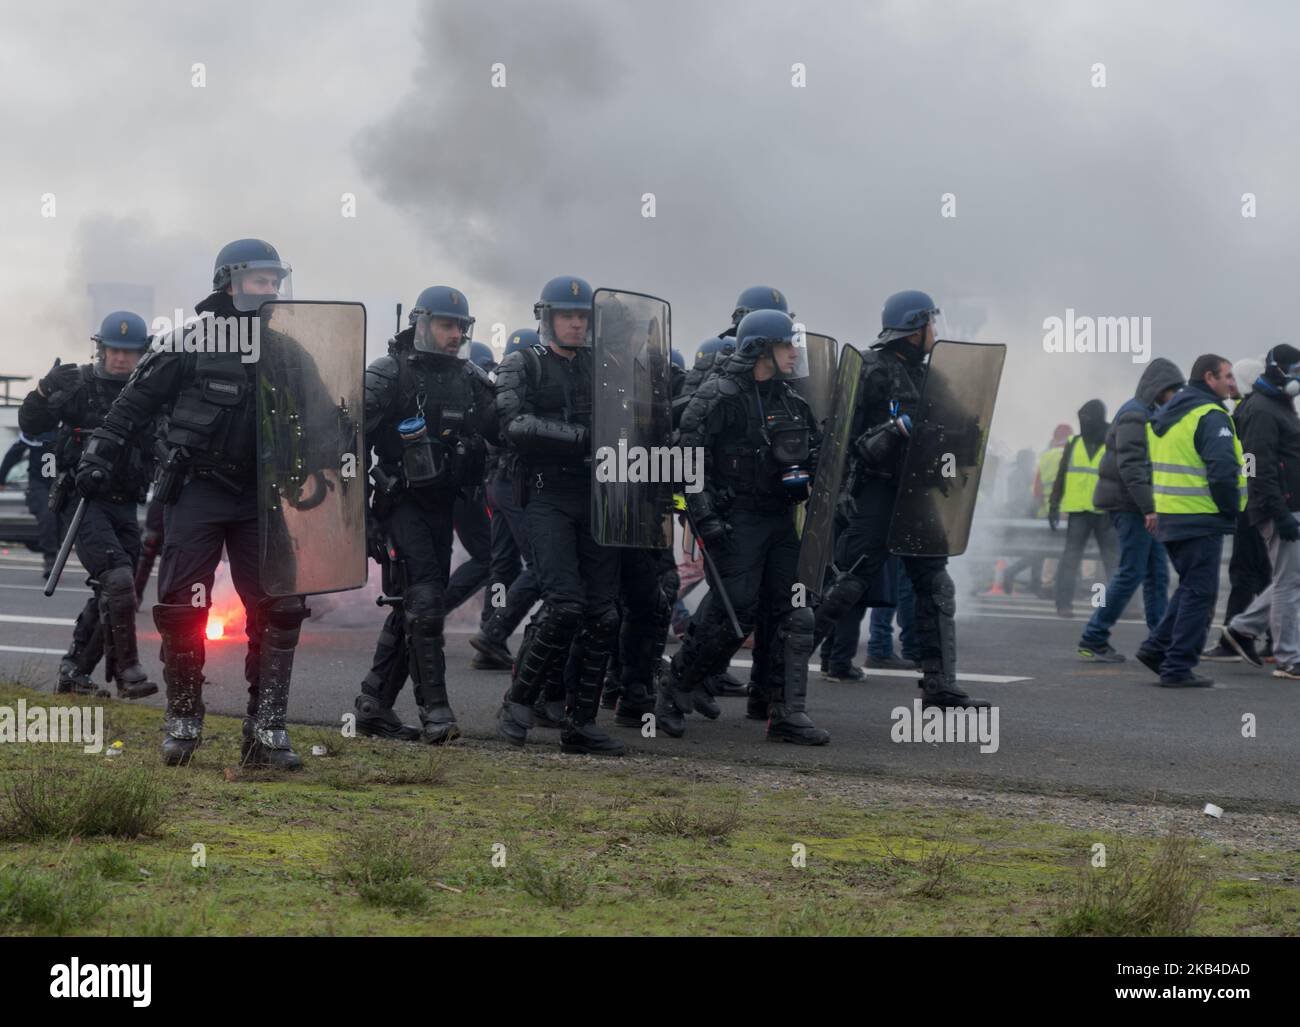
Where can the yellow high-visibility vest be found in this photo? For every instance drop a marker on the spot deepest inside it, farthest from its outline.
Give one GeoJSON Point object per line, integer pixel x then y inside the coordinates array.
{"type": "Point", "coordinates": [1178, 475]}
{"type": "Point", "coordinates": [1081, 474]}
{"type": "Point", "coordinates": [1049, 465]}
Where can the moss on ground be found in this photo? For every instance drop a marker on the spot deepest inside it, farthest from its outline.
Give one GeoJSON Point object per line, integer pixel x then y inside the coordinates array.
{"type": "Point", "coordinates": [386, 838]}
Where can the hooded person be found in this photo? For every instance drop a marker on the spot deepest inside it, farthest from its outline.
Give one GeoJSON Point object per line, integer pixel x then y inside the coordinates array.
{"type": "Point", "coordinates": [1124, 494]}
{"type": "Point", "coordinates": [1270, 432]}
{"type": "Point", "coordinates": [1072, 495]}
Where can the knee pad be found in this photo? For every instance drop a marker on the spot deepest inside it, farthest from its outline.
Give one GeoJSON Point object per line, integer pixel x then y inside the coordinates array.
{"type": "Point", "coordinates": [180, 620]}
{"type": "Point", "coordinates": [118, 582]}
{"type": "Point", "coordinates": [798, 621]}
{"type": "Point", "coordinates": [423, 608]}
{"type": "Point", "coordinates": [281, 620]}
{"type": "Point", "coordinates": [117, 594]}
{"type": "Point", "coordinates": [847, 591]}
{"type": "Point", "coordinates": [560, 619]}
{"type": "Point", "coordinates": [603, 626]}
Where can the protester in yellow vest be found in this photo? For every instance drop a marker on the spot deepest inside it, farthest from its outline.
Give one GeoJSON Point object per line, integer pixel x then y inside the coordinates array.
{"type": "Point", "coordinates": [1049, 464]}
{"type": "Point", "coordinates": [1072, 495]}
{"type": "Point", "coordinates": [1200, 486]}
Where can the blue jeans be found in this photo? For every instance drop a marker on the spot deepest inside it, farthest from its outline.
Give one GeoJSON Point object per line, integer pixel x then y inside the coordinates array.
{"type": "Point", "coordinates": [1141, 562]}
{"type": "Point", "coordinates": [1180, 635]}
{"type": "Point", "coordinates": [880, 641]}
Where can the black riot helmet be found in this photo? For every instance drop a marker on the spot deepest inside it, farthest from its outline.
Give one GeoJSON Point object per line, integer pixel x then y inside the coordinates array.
{"type": "Point", "coordinates": [563, 293]}
{"type": "Point", "coordinates": [119, 330]}
{"type": "Point", "coordinates": [760, 331]}
{"type": "Point", "coordinates": [251, 268]}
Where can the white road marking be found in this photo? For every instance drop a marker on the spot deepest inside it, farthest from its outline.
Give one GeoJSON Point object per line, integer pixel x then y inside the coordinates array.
{"type": "Point", "coordinates": [1042, 616]}
{"type": "Point", "coordinates": [10, 618]}
{"type": "Point", "coordinates": [987, 679]}
{"type": "Point", "coordinates": [41, 588]}
{"type": "Point", "coordinates": [29, 649]}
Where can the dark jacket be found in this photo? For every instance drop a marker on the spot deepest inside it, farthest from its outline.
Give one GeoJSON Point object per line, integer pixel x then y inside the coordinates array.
{"type": "Point", "coordinates": [1124, 477]}
{"type": "Point", "coordinates": [1270, 432]}
{"type": "Point", "coordinates": [1093, 430]}
{"type": "Point", "coordinates": [1213, 442]}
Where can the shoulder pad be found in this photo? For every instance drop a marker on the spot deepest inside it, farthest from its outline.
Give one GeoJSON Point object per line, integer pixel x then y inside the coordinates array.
{"type": "Point", "coordinates": [724, 384]}
{"type": "Point", "coordinates": [513, 363]}
{"type": "Point", "coordinates": [384, 367]}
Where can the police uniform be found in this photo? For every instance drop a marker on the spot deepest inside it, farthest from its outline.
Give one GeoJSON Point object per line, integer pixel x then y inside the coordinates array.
{"type": "Point", "coordinates": [452, 401]}
{"type": "Point", "coordinates": [754, 436]}
{"type": "Point", "coordinates": [108, 540]}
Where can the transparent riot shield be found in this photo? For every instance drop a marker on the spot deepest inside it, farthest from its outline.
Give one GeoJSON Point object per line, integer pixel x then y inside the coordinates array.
{"type": "Point", "coordinates": [311, 467]}
{"type": "Point", "coordinates": [633, 470]}
{"type": "Point", "coordinates": [815, 375]}
{"type": "Point", "coordinates": [818, 541]}
{"type": "Point", "coordinates": [941, 466]}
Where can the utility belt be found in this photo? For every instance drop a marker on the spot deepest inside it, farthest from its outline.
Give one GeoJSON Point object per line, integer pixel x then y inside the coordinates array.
{"type": "Point", "coordinates": [178, 465]}
{"type": "Point", "coordinates": [530, 478]}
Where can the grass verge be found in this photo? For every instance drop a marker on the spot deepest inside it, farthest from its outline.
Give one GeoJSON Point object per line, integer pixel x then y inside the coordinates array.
{"type": "Point", "coordinates": [388, 838]}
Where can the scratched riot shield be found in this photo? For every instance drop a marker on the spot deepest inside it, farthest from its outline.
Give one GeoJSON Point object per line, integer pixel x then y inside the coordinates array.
{"type": "Point", "coordinates": [311, 470]}
{"type": "Point", "coordinates": [633, 469]}
{"type": "Point", "coordinates": [814, 377]}
{"type": "Point", "coordinates": [818, 540]}
{"type": "Point", "coordinates": [941, 465]}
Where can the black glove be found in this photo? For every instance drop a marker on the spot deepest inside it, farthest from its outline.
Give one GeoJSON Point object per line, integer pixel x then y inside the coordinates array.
{"type": "Point", "coordinates": [92, 478]}
{"type": "Point", "coordinates": [1287, 527]}
{"type": "Point", "coordinates": [713, 531]}
{"type": "Point", "coordinates": [1053, 519]}
{"type": "Point", "coordinates": [61, 378]}
{"type": "Point", "coordinates": [376, 546]}
{"type": "Point", "coordinates": [95, 468]}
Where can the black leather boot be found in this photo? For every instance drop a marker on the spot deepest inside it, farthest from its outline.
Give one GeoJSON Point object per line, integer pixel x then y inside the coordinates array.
{"type": "Point", "coordinates": [266, 738]}
{"type": "Point", "coordinates": [182, 628]}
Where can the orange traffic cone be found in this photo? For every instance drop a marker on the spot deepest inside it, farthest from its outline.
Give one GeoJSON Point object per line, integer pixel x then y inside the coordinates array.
{"type": "Point", "coordinates": [999, 571]}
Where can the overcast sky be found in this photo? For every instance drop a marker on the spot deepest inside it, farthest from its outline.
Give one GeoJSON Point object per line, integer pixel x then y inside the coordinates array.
{"type": "Point", "coordinates": [1114, 201]}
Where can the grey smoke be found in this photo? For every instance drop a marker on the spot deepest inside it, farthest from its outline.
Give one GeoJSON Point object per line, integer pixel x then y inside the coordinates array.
{"type": "Point", "coordinates": [1116, 201]}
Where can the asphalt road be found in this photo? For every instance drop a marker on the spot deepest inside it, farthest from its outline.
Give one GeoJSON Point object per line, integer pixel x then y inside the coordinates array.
{"type": "Point", "coordinates": [1063, 726]}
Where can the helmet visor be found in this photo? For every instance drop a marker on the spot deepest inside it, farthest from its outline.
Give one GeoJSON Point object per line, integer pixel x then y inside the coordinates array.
{"type": "Point", "coordinates": [260, 281]}
{"type": "Point", "coordinates": [443, 335]}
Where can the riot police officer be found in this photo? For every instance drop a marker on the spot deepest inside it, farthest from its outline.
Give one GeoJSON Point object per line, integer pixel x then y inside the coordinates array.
{"type": "Point", "coordinates": [428, 410]}
{"type": "Point", "coordinates": [544, 402]}
{"type": "Point", "coordinates": [209, 482]}
{"type": "Point", "coordinates": [512, 555]}
{"type": "Point", "coordinates": [75, 400]}
{"type": "Point", "coordinates": [760, 450]}
{"type": "Point", "coordinates": [713, 349]}
{"type": "Point", "coordinates": [888, 396]}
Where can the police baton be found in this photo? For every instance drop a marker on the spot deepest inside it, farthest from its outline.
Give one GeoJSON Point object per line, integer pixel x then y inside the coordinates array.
{"type": "Point", "coordinates": [715, 579]}
{"type": "Point", "coordinates": [65, 550]}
